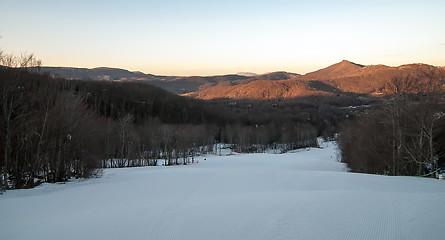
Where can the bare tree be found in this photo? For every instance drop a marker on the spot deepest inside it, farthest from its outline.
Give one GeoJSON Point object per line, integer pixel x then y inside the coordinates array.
{"type": "Point", "coordinates": [125, 123]}
{"type": "Point", "coordinates": [11, 101]}
{"type": "Point", "coordinates": [397, 138]}
{"type": "Point", "coordinates": [24, 61]}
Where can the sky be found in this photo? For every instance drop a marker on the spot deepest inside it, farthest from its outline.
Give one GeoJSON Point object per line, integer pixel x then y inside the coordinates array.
{"type": "Point", "coordinates": [206, 37]}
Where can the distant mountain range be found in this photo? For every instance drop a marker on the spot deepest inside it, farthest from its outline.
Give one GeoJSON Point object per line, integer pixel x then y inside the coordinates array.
{"type": "Point", "coordinates": [341, 78]}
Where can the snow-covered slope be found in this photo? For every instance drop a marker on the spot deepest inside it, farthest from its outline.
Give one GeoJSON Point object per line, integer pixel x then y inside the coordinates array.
{"type": "Point", "coordinates": [300, 195]}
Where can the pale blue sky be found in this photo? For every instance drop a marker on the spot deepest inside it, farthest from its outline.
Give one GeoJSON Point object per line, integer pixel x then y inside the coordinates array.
{"type": "Point", "coordinates": [205, 37]}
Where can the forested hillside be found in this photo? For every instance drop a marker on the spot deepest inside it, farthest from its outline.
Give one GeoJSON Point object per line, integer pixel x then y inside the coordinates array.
{"type": "Point", "coordinates": [338, 79]}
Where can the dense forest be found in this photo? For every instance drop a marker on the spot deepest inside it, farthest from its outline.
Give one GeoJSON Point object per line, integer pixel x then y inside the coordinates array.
{"type": "Point", "coordinates": [403, 135]}
{"type": "Point", "coordinates": [54, 129]}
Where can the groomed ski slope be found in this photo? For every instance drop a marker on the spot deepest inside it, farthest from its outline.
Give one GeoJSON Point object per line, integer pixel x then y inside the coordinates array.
{"type": "Point", "coordinates": [300, 195]}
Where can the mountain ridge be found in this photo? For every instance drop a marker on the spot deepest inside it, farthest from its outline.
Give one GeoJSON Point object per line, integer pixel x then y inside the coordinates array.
{"type": "Point", "coordinates": [343, 77]}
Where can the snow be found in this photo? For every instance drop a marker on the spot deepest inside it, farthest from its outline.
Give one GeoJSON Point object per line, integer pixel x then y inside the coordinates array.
{"type": "Point", "coordinates": [305, 194]}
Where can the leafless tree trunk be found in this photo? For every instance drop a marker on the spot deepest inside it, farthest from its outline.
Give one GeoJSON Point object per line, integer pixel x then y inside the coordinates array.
{"type": "Point", "coordinates": [124, 125]}
{"type": "Point", "coordinates": [11, 104]}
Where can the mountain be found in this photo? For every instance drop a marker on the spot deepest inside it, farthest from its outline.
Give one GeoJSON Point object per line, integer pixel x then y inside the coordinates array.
{"type": "Point", "coordinates": [175, 84]}
{"type": "Point", "coordinates": [374, 79]}
{"type": "Point", "coordinates": [102, 73]}
{"type": "Point", "coordinates": [341, 78]}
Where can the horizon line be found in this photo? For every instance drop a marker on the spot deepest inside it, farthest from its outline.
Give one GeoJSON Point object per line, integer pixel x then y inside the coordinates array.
{"type": "Point", "coordinates": [237, 72]}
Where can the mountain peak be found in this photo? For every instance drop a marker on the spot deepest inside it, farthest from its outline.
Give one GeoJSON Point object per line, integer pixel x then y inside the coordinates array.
{"type": "Point", "coordinates": [340, 69]}
{"type": "Point", "coordinates": [346, 62]}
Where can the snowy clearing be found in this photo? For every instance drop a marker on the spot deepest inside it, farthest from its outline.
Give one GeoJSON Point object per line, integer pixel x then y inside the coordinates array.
{"type": "Point", "coordinates": [299, 195]}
